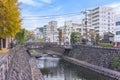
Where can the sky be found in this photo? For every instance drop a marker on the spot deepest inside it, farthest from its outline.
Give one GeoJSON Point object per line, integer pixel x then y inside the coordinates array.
{"type": "Point", "coordinates": [32, 10]}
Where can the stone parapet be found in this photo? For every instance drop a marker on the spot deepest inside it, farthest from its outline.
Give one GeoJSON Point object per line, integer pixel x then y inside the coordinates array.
{"type": "Point", "coordinates": [17, 65]}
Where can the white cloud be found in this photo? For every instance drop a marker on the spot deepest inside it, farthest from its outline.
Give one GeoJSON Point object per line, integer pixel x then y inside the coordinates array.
{"type": "Point", "coordinates": [30, 2]}
{"type": "Point", "coordinates": [36, 21]}
{"type": "Point", "coordinates": [47, 1]}
{"type": "Point", "coordinates": [115, 6]}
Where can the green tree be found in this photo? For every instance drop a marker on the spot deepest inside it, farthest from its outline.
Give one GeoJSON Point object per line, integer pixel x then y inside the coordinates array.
{"type": "Point", "coordinates": [41, 39]}
{"type": "Point", "coordinates": [91, 35]}
{"type": "Point", "coordinates": [21, 36]}
{"type": "Point", "coordinates": [60, 36]}
{"type": "Point", "coordinates": [75, 37]}
{"type": "Point", "coordinates": [29, 36]}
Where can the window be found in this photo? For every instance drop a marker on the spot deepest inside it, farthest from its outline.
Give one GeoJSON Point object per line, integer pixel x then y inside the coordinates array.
{"type": "Point", "coordinates": [118, 33]}
{"type": "Point", "coordinates": [118, 23]}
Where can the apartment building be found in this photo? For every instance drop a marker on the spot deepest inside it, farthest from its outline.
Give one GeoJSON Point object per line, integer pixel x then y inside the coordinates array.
{"type": "Point", "coordinates": [102, 20]}
{"type": "Point", "coordinates": [70, 27]}
{"type": "Point", "coordinates": [50, 32]}
{"type": "Point", "coordinates": [67, 31]}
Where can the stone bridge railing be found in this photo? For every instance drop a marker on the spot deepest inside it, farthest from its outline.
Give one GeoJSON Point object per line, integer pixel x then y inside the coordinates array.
{"type": "Point", "coordinates": [45, 46]}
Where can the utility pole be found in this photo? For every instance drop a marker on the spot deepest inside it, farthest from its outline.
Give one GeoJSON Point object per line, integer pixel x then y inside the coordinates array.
{"type": "Point", "coordinates": [86, 22]}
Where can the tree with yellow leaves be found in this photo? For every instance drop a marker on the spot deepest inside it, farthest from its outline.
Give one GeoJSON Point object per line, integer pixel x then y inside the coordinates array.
{"type": "Point", "coordinates": [10, 21]}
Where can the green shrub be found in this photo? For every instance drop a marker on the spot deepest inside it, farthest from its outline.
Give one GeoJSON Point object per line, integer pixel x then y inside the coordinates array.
{"type": "Point", "coordinates": [106, 44]}
{"type": "Point", "coordinates": [84, 41]}
{"type": "Point", "coordinates": [34, 51]}
{"type": "Point", "coordinates": [116, 62]}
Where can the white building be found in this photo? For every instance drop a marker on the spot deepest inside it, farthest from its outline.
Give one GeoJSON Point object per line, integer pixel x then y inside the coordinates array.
{"type": "Point", "coordinates": [46, 32]}
{"type": "Point", "coordinates": [50, 32]}
{"type": "Point", "coordinates": [67, 31]}
{"type": "Point", "coordinates": [117, 31]}
{"type": "Point", "coordinates": [70, 27]}
{"type": "Point", "coordinates": [102, 20]}
{"type": "Point", "coordinates": [38, 33]}
{"type": "Point", "coordinates": [77, 28]}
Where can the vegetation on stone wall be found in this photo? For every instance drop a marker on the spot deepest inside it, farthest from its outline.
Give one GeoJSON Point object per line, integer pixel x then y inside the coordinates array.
{"type": "Point", "coordinates": [116, 62]}
{"type": "Point", "coordinates": [84, 41]}
{"type": "Point", "coordinates": [106, 44]}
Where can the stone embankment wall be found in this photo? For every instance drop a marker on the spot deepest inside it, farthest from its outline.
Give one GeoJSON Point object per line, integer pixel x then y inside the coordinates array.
{"type": "Point", "coordinates": [18, 65]}
{"type": "Point", "coordinates": [100, 56]}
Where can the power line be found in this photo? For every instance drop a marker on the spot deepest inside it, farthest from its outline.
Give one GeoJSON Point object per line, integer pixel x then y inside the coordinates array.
{"type": "Point", "coordinates": [50, 16]}
{"type": "Point", "coordinates": [53, 16]}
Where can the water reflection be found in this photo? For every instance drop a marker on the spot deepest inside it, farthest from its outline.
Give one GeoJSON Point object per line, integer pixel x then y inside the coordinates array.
{"type": "Point", "coordinates": [54, 68]}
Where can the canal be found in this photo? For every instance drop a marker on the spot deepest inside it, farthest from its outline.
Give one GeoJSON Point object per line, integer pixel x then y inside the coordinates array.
{"type": "Point", "coordinates": [55, 68]}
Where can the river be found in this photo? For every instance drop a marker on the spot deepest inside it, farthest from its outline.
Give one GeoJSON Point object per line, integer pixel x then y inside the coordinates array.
{"type": "Point", "coordinates": [55, 68]}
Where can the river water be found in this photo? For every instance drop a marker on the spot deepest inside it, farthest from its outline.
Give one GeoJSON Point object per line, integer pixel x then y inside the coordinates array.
{"type": "Point", "coordinates": [54, 68]}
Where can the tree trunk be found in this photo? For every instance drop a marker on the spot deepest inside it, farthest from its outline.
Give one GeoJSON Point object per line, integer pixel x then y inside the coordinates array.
{"type": "Point", "coordinates": [4, 43]}
{"type": "Point", "coordinates": [1, 43]}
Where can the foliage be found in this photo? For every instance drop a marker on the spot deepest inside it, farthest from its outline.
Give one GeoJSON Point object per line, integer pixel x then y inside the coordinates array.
{"type": "Point", "coordinates": [60, 36]}
{"type": "Point", "coordinates": [41, 39]}
{"type": "Point", "coordinates": [97, 38]}
{"type": "Point", "coordinates": [21, 36]}
{"type": "Point", "coordinates": [75, 37]}
{"type": "Point", "coordinates": [106, 44]}
{"type": "Point", "coordinates": [34, 51]}
{"type": "Point", "coordinates": [116, 62]}
{"type": "Point", "coordinates": [84, 41]}
{"type": "Point", "coordinates": [91, 35]}
{"type": "Point", "coordinates": [29, 36]}
{"type": "Point", "coordinates": [10, 21]}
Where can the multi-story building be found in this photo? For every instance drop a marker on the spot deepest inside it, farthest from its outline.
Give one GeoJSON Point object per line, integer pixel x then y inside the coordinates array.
{"type": "Point", "coordinates": [38, 33]}
{"type": "Point", "coordinates": [117, 31]}
{"type": "Point", "coordinates": [46, 31]}
{"type": "Point", "coordinates": [70, 27]}
{"type": "Point", "coordinates": [102, 20]}
{"type": "Point", "coordinates": [77, 28]}
{"type": "Point", "coordinates": [67, 31]}
{"type": "Point", "coordinates": [50, 32]}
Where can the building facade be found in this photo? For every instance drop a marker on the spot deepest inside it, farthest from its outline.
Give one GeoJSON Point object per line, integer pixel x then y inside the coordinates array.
{"type": "Point", "coordinates": [103, 20]}
{"type": "Point", "coordinates": [50, 32]}
{"type": "Point", "coordinates": [67, 31]}
{"type": "Point", "coordinates": [117, 31]}
{"type": "Point", "coordinates": [70, 27]}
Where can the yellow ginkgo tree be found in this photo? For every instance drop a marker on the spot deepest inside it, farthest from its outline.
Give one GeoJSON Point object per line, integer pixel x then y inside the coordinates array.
{"type": "Point", "coordinates": [10, 21]}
